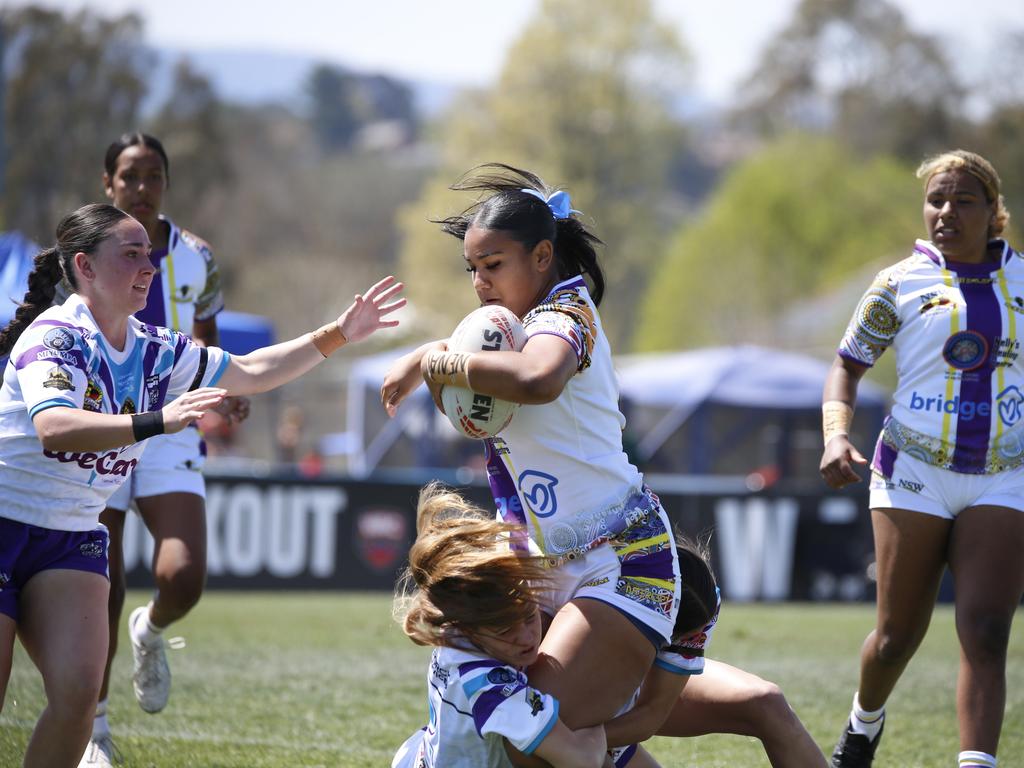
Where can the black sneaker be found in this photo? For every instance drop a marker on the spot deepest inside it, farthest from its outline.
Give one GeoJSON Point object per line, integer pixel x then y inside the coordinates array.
{"type": "Point", "coordinates": [855, 750]}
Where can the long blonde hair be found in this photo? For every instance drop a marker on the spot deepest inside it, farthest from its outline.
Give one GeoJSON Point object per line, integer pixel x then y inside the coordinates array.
{"type": "Point", "coordinates": [979, 168]}
{"type": "Point", "coordinates": [462, 573]}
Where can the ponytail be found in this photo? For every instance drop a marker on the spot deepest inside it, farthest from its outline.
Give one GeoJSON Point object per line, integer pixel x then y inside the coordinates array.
{"type": "Point", "coordinates": [79, 232]}
{"type": "Point", "coordinates": [42, 284]}
{"type": "Point", "coordinates": [519, 203]}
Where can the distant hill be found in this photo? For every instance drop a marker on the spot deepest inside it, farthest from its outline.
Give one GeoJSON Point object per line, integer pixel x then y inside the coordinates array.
{"type": "Point", "coordinates": [253, 77]}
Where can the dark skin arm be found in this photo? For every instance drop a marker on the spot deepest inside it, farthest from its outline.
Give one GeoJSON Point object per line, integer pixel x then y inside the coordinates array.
{"type": "Point", "coordinates": [839, 457]}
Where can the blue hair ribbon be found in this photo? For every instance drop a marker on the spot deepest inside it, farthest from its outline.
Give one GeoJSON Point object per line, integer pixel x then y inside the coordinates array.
{"type": "Point", "coordinates": [558, 202]}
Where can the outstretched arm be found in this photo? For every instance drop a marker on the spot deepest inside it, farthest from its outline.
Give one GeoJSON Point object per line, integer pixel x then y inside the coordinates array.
{"type": "Point", "coordinates": [270, 367]}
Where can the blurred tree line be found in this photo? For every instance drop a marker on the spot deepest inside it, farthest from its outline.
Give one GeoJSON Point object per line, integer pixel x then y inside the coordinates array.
{"type": "Point", "coordinates": [761, 221]}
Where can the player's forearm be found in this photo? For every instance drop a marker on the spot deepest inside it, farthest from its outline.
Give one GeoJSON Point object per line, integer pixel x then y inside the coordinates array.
{"type": "Point", "coordinates": [75, 430]}
{"type": "Point", "coordinates": [270, 367]}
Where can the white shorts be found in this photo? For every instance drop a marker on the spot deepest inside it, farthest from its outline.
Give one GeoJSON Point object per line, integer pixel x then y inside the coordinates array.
{"type": "Point", "coordinates": [170, 464]}
{"type": "Point", "coordinates": [922, 487]}
{"type": "Point", "coordinates": [636, 573]}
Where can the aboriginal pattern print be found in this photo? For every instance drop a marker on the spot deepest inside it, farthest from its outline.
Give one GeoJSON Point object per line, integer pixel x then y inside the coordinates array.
{"type": "Point", "coordinates": [567, 314]}
{"type": "Point", "coordinates": [646, 573]}
{"type": "Point", "coordinates": [876, 319]}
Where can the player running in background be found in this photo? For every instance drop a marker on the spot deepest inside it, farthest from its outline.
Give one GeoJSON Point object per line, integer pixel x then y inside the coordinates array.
{"type": "Point", "coordinates": [84, 385]}
{"type": "Point", "coordinates": [476, 601]}
{"type": "Point", "coordinates": [947, 484]}
{"type": "Point", "coordinates": [167, 486]}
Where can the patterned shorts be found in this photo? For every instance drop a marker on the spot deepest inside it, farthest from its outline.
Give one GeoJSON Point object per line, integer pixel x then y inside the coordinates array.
{"type": "Point", "coordinates": [637, 573]}
{"type": "Point", "coordinates": [25, 550]}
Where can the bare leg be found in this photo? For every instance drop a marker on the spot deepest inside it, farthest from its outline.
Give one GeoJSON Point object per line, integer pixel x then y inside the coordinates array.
{"type": "Point", "coordinates": [114, 520]}
{"type": "Point", "coordinates": [574, 667]}
{"type": "Point", "coordinates": [8, 630]}
{"type": "Point", "coordinates": [64, 629]}
{"type": "Point", "coordinates": [910, 551]}
{"type": "Point", "coordinates": [725, 699]}
{"type": "Point", "coordinates": [178, 524]}
{"type": "Point", "coordinates": [987, 564]}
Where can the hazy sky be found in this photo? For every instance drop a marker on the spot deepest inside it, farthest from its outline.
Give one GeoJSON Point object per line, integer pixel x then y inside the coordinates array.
{"type": "Point", "coordinates": [463, 41]}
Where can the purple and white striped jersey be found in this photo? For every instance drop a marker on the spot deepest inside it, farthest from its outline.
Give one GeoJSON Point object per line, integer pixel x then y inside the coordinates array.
{"type": "Point", "coordinates": [475, 702]}
{"type": "Point", "coordinates": [62, 360]}
{"type": "Point", "coordinates": [959, 402]}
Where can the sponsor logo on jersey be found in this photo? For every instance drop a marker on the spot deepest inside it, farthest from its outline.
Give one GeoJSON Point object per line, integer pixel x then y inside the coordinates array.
{"type": "Point", "coordinates": [501, 676]}
{"type": "Point", "coordinates": [934, 300]}
{"type": "Point", "coordinates": [1007, 405]}
{"type": "Point", "coordinates": [101, 463]}
{"type": "Point", "coordinates": [58, 378]}
{"type": "Point", "coordinates": [535, 700]}
{"type": "Point", "coordinates": [59, 339]}
{"type": "Point", "coordinates": [538, 490]}
{"type": "Point", "coordinates": [54, 354]}
{"type": "Point", "coordinates": [153, 391]}
{"type": "Point", "coordinates": [438, 672]}
{"type": "Point", "coordinates": [965, 350]}
{"type": "Point", "coordinates": [129, 406]}
{"type": "Point", "coordinates": [185, 295]}
{"type": "Point", "coordinates": [93, 397]}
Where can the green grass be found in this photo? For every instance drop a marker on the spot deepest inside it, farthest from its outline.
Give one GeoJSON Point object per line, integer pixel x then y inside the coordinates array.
{"type": "Point", "coordinates": [302, 679]}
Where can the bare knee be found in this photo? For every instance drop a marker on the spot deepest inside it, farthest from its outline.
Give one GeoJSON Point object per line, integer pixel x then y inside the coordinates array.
{"type": "Point", "coordinates": [895, 647]}
{"type": "Point", "coordinates": [72, 695]}
{"type": "Point", "coordinates": [767, 710]}
{"type": "Point", "coordinates": [985, 638]}
{"type": "Point", "coordinates": [181, 587]}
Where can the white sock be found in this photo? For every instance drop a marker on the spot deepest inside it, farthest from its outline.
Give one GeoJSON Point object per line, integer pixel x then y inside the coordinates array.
{"type": "Point", "coordinates": [145, 631]}
{"type": "Point", "coordinates": [100, 726]}
{"type": "Point", "coordinates": [866, 722]}
{"type": "Point", "coordinates": [972, 759]}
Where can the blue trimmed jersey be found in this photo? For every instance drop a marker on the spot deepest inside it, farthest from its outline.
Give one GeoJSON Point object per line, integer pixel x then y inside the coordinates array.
{"type": "Point", "coordinates": [475, 702]}
{"type": "Point", "coordinates": [62, 360]}
{"type": "Point", "coordinates": [559, 468]}
{"type": "Point", "coordinates": [959, 402]}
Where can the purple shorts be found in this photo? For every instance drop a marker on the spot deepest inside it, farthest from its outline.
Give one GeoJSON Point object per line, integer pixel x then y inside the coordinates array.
{"type": "Point", "coordinates": [25, 550]}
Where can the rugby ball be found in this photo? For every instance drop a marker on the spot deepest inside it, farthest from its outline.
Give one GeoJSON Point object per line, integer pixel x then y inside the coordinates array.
{"type": "Point", "coordinates": [490, 328]}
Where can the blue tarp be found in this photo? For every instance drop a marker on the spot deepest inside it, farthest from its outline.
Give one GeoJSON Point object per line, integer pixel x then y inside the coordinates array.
{"type": "Point", "coordinates": [239, 332]}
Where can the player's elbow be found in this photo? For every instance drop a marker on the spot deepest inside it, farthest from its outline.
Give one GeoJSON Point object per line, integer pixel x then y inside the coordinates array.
{"type": "Point", "coordinates": [538, 386]}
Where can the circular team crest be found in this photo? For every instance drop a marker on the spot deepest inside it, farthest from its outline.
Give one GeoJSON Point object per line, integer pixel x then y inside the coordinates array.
{"type": "Point", "coordinates": [965, 350]}
{"type": "Point", "coordinates": [59, 339]}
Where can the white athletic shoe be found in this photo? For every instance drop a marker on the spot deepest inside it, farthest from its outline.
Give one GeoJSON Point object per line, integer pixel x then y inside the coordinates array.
{"type": "Point", "coordinates": [101, 753]}
{"type": "Point", "coordinates": [151, 677]}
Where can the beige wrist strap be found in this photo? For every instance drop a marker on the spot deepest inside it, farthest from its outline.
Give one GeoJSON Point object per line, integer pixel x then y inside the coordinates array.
{"type": "Point", "coordinates": [448, 368]}
{"type": "Point", "coordinates": [836, 418]}
{"type": "Point", "coordinates": [329, 339]}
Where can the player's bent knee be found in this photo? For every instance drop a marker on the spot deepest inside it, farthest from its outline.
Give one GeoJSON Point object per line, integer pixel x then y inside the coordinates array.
{"type": "Point", "coordinates": [985, 638]}
{"type": "Point", "coordinates": [895, 648]}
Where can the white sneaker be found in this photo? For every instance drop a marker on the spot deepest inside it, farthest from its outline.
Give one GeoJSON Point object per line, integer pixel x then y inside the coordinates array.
{"type": "Point", "coordinates": [101, 753]}
{"type": "Point", "coordinates": [151, 677]}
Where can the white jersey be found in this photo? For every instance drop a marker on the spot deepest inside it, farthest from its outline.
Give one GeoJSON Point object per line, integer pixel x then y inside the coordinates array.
{"type": "Point", "coordinates": [62, 360]}
{"type": "Point", "coordinates": [559, 468]}
{"type": "Point", "coordinates": [475, 702]}
{"type": "Point", "coordinates": [187, 286]}
{"type": "Point", "coordinates": [959, 401]}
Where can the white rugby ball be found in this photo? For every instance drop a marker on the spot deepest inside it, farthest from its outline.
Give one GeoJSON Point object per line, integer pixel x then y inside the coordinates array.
{"type": "Point", "coordinates": [490, 328]}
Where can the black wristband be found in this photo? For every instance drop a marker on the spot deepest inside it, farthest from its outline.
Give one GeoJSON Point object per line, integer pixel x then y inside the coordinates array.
{"type": "Point", "coordinates": [147, 424]}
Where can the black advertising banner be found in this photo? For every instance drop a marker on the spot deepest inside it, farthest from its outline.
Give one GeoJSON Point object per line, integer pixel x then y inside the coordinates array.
{"type": "Point", "coordinates": [283, 532]}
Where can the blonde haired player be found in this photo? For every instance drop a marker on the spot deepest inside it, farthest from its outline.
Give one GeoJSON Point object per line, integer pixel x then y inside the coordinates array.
{"type": "Point", "coordinates": [472, 598]}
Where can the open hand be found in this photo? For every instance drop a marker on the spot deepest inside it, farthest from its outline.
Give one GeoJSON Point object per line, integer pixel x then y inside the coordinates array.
{"type": "Point", "coordinates": [366, 314]}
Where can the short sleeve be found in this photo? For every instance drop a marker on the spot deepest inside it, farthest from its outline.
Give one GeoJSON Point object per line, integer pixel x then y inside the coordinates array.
{"type": "Point", "coordinates": [194, 366]}
{"type": "Point", "coordinates": [504, 704]}
{"type": "Point", "coordinates": [569, 316]}
{"type": "Point", "coordinates": [211, 299]}
{"type": "Point", "coordinates": [874, 323]}
{"type": "Point", "coordinates": [50, 361]}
